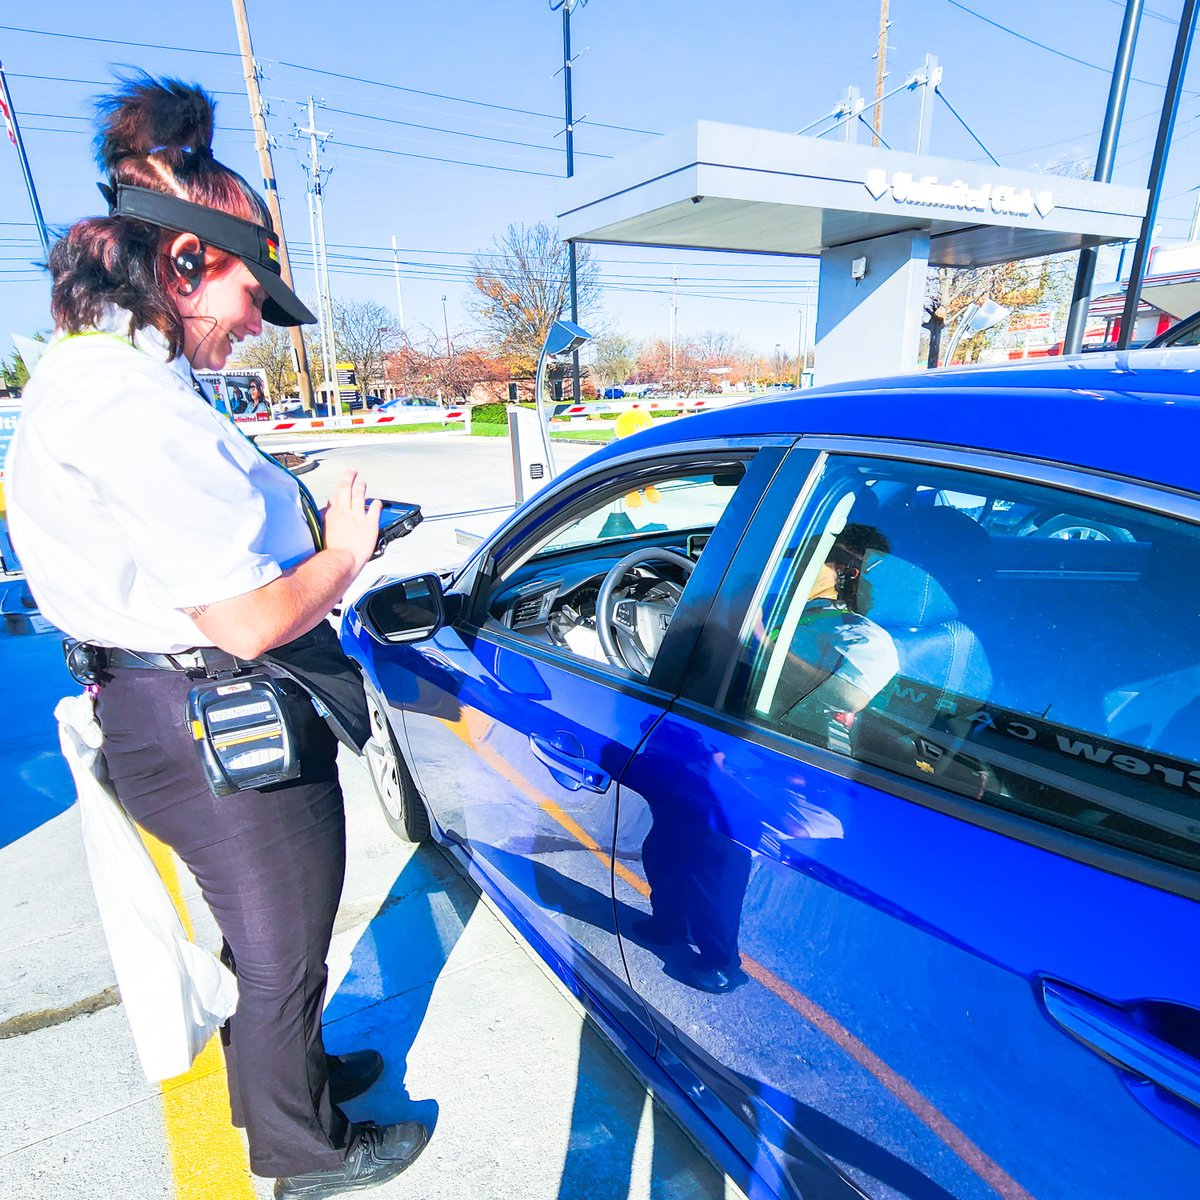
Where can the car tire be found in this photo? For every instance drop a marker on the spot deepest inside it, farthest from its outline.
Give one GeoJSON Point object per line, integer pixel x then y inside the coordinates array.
{"type": "Point", "coordinates": [1079, 529]}
{"type": "Point", "coordinates": [403, 808]}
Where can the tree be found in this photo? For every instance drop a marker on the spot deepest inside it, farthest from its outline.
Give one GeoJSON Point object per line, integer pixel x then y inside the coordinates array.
{"type": "Point", "coordinates": [422, 367]}
{"type": "Point", "coordinates": [271, 353]}
{"type": "Point", "coordinates": [364, 332]}
{"type": "Point", "coordinates": [14, 375]}
{"type": "Point", "coordinates": [1012, 284]}
{"type": "Point", "coordinates": [614, 357]}
{"type": "Point", "coordinates": [522, 287]}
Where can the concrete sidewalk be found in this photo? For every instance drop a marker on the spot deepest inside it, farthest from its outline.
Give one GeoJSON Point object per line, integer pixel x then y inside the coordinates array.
{"type": "Point", "coordinates": [527, 1099]}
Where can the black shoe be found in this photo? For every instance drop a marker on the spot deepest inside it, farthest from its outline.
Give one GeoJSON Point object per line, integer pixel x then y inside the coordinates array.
{"type": "Point", "coordinates": [377, 1154]}
{"type": "Point", "coordinates": [351, 1074]}
{"type": "Point", "coordinates": [718, 980]}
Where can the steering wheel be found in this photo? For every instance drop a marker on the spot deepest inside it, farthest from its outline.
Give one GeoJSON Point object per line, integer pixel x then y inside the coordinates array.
{"type": "Point", "coordinates": [631, 630]}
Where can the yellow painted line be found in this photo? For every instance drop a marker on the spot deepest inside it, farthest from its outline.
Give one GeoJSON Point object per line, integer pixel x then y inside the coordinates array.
{"type": "Point", "coordinates": [924, 1110]}
{"type": "Point", "coordinates": [208, 1156]}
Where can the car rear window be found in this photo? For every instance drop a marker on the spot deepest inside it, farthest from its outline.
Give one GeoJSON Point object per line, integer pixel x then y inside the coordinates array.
{"type": "Point", "coordinates": [1027, 647]}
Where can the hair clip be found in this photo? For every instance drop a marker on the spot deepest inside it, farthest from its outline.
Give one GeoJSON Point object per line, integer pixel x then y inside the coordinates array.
{"type": "Point", "coordinates": [109, 194]}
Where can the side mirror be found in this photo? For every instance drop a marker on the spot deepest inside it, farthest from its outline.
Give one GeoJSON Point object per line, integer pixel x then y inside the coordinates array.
{"type": "Point", "coordinates": [396, 521]}
{"type": "Point", "coordinates": [406, 611]}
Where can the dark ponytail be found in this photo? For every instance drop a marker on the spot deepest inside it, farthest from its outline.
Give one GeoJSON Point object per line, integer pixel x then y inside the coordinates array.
{"type": "Point", "coordinates": [154, 134]}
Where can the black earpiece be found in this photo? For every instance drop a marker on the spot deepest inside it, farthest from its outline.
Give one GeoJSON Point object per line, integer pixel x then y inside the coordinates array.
{"type": "Point", "coordinates": [188, 266]}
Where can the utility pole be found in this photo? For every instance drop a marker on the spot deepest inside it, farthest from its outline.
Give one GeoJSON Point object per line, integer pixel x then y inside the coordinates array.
{"type": "Point", "coordinates": [263, 145]}
{"type": "Point", "coordinates": [1162, 143]}
{"type": "Point", "coordinates": [9, 115]}
{"type": "Point", "coordinates": [320, 257]}
{"type": "Point", "coordinates": [1085, 272]}
{"type": "Point", "coordinates": [880, 71]}
{"type": "Point", "coordinates": [674, 318]}
{"type": "Point", "coordinates": [399, 292]}
{"type": "Point", "coordinates": [800, 363]}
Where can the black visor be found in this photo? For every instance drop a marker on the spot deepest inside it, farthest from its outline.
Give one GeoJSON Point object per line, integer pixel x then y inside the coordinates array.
{"type": "Point", "coordinates": [256, 246]}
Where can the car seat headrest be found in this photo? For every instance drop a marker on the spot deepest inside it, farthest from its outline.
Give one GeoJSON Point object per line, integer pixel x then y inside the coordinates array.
{"type": "Point", "coordinates": [944, 540]}
{"type": "Point", "coordinates": [897, 593]}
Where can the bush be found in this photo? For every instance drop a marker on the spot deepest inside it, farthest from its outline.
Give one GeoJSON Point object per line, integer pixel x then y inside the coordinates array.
{"type": "Point", "coordinates": [489, 414]}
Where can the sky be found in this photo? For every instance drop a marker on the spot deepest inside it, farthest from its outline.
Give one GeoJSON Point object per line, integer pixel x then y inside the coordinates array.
{"type": "Point", "coordinates": [446, 124]}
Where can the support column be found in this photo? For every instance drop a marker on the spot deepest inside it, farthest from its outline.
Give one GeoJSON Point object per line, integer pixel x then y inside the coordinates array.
{"type": "Point", "coordinates": [871, 326]}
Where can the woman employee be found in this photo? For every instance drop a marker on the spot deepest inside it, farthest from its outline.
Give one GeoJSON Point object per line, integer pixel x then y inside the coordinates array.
{"type": "Point", "coordinates": [151, 528]}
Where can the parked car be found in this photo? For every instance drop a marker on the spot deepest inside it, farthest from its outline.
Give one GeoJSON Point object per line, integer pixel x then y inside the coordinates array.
{"type": "Point", "coordinates": [413, 409]}
{"type": "Point", "coordinates": [409, 402]}
{"type": "Point", "coordinates": [856, 802]}
{"type": "Point", "coordinates": [613, 393]}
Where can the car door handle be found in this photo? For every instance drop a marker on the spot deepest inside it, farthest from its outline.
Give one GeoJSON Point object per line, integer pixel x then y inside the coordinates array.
{"type": "Point", "coordinates": [1163, 1077]}
{"type": "Point", "coordinates": [563, 757]}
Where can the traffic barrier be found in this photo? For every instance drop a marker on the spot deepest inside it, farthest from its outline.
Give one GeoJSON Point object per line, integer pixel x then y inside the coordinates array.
{"type": "Point", "coordinates": [684, 404]}
{"type": "Point", "coordinates": [262, 425]}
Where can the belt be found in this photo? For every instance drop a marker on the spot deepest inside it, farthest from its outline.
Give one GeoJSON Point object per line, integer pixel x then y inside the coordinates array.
{"type": "Point", "coordinates": [185, 660]}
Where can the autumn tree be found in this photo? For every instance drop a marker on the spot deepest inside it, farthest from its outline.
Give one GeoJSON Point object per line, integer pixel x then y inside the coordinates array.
{"type": "Point", "coordinates": [364, 331]}
{"type": "Point", "coordinates": [521, 287]}
{"type": "Point", "coordinates": [1012, 284]}
{"type": "Point", "coordinates": [423, 367]}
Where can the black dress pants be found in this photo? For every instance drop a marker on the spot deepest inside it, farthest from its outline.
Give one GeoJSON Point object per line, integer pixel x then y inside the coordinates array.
{"type": "Point", "coordinates": [270, 864]}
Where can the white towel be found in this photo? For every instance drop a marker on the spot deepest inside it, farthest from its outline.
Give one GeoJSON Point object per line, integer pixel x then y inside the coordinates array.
{"type": "Point", "coordinates": [175, 994]}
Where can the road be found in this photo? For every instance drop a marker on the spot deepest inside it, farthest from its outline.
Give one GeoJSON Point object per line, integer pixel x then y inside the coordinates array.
{"type": "Point", "coordinates": [462, 483]}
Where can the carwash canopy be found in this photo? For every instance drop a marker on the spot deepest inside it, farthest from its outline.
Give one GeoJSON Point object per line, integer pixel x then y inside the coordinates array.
{"type": "Point", "coordinates": [875, 218]}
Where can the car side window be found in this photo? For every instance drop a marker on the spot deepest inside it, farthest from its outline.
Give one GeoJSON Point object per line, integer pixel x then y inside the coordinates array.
{"type": "Point", "coordinates": [1027, 647]}
{"type": "Point", "coordinates": [568, 584]}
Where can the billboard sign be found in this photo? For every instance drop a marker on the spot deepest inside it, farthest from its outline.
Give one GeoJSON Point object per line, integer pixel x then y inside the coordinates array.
{"type": "Point", "coordinates": [1031, 321]}
{"type": "Point", "coordinates": [231, 392]}
{"type": "Point", "coordinates": [8, 426]}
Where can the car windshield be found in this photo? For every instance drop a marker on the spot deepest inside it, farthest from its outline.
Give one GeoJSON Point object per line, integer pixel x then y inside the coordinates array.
{"type": "Point", "coordinates": [675, 504]}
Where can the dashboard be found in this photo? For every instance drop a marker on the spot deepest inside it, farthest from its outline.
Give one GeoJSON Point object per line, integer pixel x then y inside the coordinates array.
{"type": "Point", "coordinates": [554, 600]}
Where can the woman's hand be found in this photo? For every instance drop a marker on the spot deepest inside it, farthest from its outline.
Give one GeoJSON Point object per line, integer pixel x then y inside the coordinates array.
{"type": "Point", "coordinates": [352, 525]}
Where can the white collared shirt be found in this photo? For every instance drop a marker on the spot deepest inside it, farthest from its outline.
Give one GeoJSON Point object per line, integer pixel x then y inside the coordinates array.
{"type": "Point", "coordinates": [130, 499]}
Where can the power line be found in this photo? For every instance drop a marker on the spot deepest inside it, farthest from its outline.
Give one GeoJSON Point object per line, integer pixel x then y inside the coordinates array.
{"type": "Point", "coordinates": [1148, 11]}
{"type": "Point", "coordinates": [1083, 62]}
{"type": "Point", "coordinates": [455, 99]}
{"type": "Point", "coordinates": [458, 162]}
{"type": "Point", "coordinates": [483, 137]}
{"type": "Point", "coordinates": [100, 83]}
{"type": "Point", "coordinates": [79, 37]}
{"type": "Point", "coordinates": [308, 67]}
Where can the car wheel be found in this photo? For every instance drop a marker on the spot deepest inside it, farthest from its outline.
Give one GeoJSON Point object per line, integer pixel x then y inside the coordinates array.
{"type": "Point", "coordinates": [403, 808]}
{"type": "Point", "coordinates": [1076, 530]}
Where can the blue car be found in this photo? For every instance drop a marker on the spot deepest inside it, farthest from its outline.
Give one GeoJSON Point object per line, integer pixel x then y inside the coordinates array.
{"type": "Point", "coordinates": [841, 752]}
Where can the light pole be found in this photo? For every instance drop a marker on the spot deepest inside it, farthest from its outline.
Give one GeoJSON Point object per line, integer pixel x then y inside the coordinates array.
{"type": "Point", "coordinates": [568, 7]}
{"type": "Point", "coordinates": [976, 317]}
{"type": "Point", "coordinates": [1162, 144]}
{"type": "Point", "coordinates": [1085, 272]}
{"type": "Point", "coordinates": [446, 327]}
{"type": "Point", "coordinates": [564, 337]}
